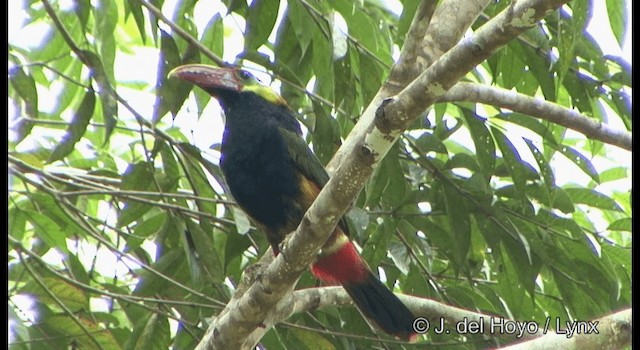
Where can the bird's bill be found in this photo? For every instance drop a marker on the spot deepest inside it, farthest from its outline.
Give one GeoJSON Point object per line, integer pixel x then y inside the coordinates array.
{"type": "Point", "coordinates": [208, 77]}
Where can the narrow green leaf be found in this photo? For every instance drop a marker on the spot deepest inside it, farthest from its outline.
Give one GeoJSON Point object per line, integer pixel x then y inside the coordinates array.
{"type": "Point", "coordinates": [400, 256]}
{"type": "Point", "coordinates": [375, 249]}
{"type": "Point", "coordinates": [592, 198]}
{"type": "Point", "coordinates": [620, 225]}
{"type": "Point", "coordinates": [460, 223]}
{"type": "Point", "coordinates": [613, 174]}
{"type": "Point", "coordinates": [200, 185]}
{"type": "Point", "coordinates": [326, 135]}
{"type": "Point", "coordinates": [323, 65]}
{"type": "Point", "coordinates": [511, 290]}
{"type": "Point", "coordinates": [428, 142]}
{"type": "Point", "coordinates": [82, 8]}
{"type": "Point", "coordinates": [76, 129]}
{"type": "Point", "coordinates": [543, 165]}
{"type": "Point", "coordinates": [213, 39]}
{"type": "Point", "coordinates": [396, 189]}
{"type": "Point", "coordinates": [463, 160]}
{"type": "Point", "coordinates": [512, 160]}
{"type": "Point", "coordinates": [106, 93]}
{"type": "Point", "coordinates": [168, 264]}
{"type": "Point", "coordinates": [376, 184]}
{"type": "Point", "coordinates": [25, 86]}
{"type": "Point", "coordinates": [136, 10]}
{"type": "Point", "coordinates": [207, 255]}
{"type": "Point", "coordinates": [260, 21]}
{"type": "Point", "coordinates": [311, 340]}
{"type": "Point", "coordinates": [243, 224]}
{"type": "Point", "coordinates": [302, 24]}
{"type": "Point", "coordinates": [170, 93]}
{"type": "Point", "coordinates": [137, 177]}
{"type": "Point", "coordinates": [106, 19]}
{"type": "Point", "coordinates": [150, 332]}
{"type": "Point", "coordinates": [581, 161]}
{"type": "Point", "coordinates": [484, 144]}
{"type": "Point", "coordinates": [510, 67]}
{"type": "Point", "coordinates": [561, 200]}
{"type": "Point", "coordinates": [617, 11]}
{"type": "Point", "coordinates": [145, 229]}
{"type": "Point", "coordinates": [47, 230]}
{"type": "Point", "coordinates": [76, 335]}
{"type": "Point", "coordinates": [17, 220]}
{"type": "Point", "coordinates": [71, 296]}
{"type": "Point", "coordinates": [406, 17]}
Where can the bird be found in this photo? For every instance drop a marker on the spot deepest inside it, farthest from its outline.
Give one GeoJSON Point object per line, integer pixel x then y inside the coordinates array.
{"type": "Point", "coordinates": [274, 177]}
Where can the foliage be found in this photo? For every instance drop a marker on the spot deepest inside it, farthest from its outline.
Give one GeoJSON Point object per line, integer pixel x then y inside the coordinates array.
{"type": "Point", "coordinates": [121, 234]}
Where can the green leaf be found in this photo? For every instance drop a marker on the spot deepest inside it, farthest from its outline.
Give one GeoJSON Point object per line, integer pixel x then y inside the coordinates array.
{"type": "Point", "coordinates": [396, 188]}
{"type": "Point", "coordinates": [213, 38]}
{"type": "Point", "coordinates": [107, 93]}
{"type": "Point", "coordinates": [243, 224]}
{"type": "Point", "coordinates": [76, 335]}
{"type": "Point", "coordinates": [135, 7]}
{"type": "Point", "coordinates": [428, 142]}
{"type": "Point", "coordinates": [581, 161]}
{"type": "Point", "coordinates": [150, 283]}
{"type": "Point", "coordinates": [617, 11]}
{"type": "Point", "coordinates": [512, 160]}
{"type": "Point", "coordinates": [374, 188]}
{"type": "Point", "coordinates": [485, 147]}
{"type": "Point", "coordinates": [326, 135]}
{"type": "Point", "coordinates": [561, 200]}
{"type": "Point", "coordinates": [613, 174]}
{"type": "Point", "coordinates": [106, 19]}
{"type": "Point", "coordinates": [375, 248]}
{"type": "Point", "coordinates": [206, 253]}
{"type": "Point", "coordinates": [511, 67]}
{"type": "Point", "coordinates": [530, 123]}
{"type": "Point", "coordinates": [47, 230]}
{"type": "Point", "coordinates": [303, 25]}
{"type": "Point", "coordinates": [311, 340]}
{"type": "Point", "coordinates": [82, 9]}
{"type": "Point", "coordinates": [170, 93]}
{"type": "Point", "coordinates": [135, 178]}
{"type": "Point", "coordinates": [191, 160]}
{"type": "Point", "coordinates": [400, 256]}
{"type": "Point", "coordinates": [145, 229]}
{"type": "Point", "coordinates": [76, 129]}
{"type": "Point", "coordinates": [592, 198]}
{"type": "Point", "coordinates": [460, 223]}
{"type": "Point", "coordinates": [260, 19]}
{"type": "Point", "coordinates": [323, 65]}
{"type": "Point", "coordinates": [71, 296]}
{"type": "Point", "coordinates": [25, 86]}
{"type": "Point", "coordinates": [406, 17]}
{"type": "Point", "coordinates": [620, 225]}
{"type": "Point", "coordinates": [17, 221]}
{"type": "Point", "coordinates": [511, 290]}
{"type": "Point", "coordinates": [150, 332]}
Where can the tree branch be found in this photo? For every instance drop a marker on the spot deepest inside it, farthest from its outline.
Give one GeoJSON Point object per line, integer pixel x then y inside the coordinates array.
{"type": "Point", "coordinates": [613, 332]}
{"type": "Point", "coordinates": [232, 328]}
{"type": "Point", "coordinates": [539, 108]}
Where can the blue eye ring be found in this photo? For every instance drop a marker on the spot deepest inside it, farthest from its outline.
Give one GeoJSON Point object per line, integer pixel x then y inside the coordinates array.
{"type": "Point", "coordinates": [245, 75]}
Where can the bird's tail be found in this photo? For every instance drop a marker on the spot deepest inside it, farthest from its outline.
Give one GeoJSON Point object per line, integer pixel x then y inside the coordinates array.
{"type": "Point", "coordinates": [372, 298]}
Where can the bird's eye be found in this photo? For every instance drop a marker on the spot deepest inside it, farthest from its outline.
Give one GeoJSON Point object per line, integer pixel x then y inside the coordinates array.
{"type": "Point", "coordinates": [244, 75]}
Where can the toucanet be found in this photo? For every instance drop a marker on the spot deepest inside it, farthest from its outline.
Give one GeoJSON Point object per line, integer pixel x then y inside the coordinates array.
{"type": "Point", "coordinates": [274, 177]}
